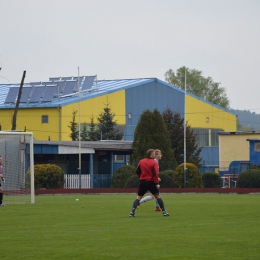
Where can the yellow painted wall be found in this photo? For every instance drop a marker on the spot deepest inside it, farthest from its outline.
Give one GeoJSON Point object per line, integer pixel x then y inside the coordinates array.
{"type": "Point", "coordinates": [94, 107]}
{"type": "Point", "coordinates": [31, 119]}
{"type": "Point", "coordinates": [197, 111]}
{"type": "Point", "coordinates": [234, 148]}
{"type": "Point", "coordinates": [57, 128]}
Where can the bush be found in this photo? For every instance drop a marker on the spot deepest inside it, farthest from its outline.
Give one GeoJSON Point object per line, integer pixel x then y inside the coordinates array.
{"type": "Point", "coordinates": [48, 176]}
{"type": "Point", "coordinates": [170, 173]}
{"type": "Point", "coordinates": [132, 182]}
{"type": "Point", "coordinates": [166, 179]}
{"type": "Point", "coordinates": [249, 176]}
{"type": "Point", "coordinates": [121, 175]}
{"type": "Point", "coordinates": [211, 180]}
{"type": "Point", "coordinates": [193, 176]}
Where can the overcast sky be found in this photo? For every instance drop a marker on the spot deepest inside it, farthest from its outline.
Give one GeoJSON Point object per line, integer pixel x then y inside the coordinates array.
{"type": "Point", "coordinates": [116, 39]}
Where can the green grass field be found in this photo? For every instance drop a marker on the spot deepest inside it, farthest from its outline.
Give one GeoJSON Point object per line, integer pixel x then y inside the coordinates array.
{"type": "Point", "coordinates": [200, 226]}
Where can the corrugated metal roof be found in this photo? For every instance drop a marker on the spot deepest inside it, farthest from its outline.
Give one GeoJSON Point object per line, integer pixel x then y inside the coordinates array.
{"type": "Point", "coordinates": [98, 88]}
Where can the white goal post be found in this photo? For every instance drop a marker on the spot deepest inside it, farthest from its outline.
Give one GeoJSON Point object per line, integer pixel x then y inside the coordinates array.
{"type": "Point", "coordinates": [16, 149]}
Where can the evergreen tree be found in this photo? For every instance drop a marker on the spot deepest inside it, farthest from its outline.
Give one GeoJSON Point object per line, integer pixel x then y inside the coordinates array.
{"type": "Point", "coordinates": [175, 127]}
{"type": "Point", "coordinates": [107, 127]}
{"type": "Point", "coordinates": [92, 133]}
{"type": "Point", "coordinates": [84, 133]}
{"type": "Point", "coordinates": [151, 133]}
{"type": "Point", "coordinates": [74, 135]}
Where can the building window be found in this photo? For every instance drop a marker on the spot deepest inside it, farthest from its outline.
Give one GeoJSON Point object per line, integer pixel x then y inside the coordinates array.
{"type": "Point", "coordinates": [202, 136]}
{"type": "Point", "coordinates": [206, 137]}
{"type": "Point", "coordinates": [119, 158]}
{"type": "Point", "coordinates": [214, 136]}
{"type": "Point", "coordinates": [45, 119]}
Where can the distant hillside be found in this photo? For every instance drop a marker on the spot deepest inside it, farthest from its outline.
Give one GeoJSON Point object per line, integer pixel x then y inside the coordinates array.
{"type": "Point", "coordinates": [247, 119]}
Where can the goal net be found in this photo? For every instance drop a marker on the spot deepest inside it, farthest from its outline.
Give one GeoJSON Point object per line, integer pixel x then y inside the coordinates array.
{"type": "Point", "coordinates": [16, 149]}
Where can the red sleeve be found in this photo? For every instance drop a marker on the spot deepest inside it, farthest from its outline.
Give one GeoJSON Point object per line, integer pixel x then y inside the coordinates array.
{"type": "Point", "coordinates": [156, 176]}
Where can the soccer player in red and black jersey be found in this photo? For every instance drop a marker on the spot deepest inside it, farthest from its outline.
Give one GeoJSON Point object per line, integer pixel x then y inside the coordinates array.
{"type": "Point", "coordinates": [157, 158]}
{"type": "Point", "coordinates": [148, 171]}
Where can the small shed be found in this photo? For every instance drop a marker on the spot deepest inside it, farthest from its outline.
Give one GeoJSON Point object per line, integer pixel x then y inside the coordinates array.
{"type": "Point", "coordinates": [98, 160]}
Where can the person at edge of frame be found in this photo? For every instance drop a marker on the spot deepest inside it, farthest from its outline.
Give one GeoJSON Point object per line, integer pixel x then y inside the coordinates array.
{"type": "Point", "coordinates": [1, 180]}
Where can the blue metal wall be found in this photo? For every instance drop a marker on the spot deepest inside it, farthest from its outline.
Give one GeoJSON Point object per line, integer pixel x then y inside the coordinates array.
{"type": "Point", "coordinates": [210, 155]}
{"type": "Point", "coordinates": [210, 159]}
{"type": "Point", "coordinates": [153, 95]}
{"type": "Point", "coordinates": [45, 149]}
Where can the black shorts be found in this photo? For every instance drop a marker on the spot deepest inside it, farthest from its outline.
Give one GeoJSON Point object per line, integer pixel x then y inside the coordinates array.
{"type": "Point", "coordinates": [144, 186]}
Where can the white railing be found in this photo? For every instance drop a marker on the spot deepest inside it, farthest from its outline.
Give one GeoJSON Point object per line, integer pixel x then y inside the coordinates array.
{"type": "Point", "coordinates": [229, 180]}
{"type": "Point", "coordinates": [72, 181]}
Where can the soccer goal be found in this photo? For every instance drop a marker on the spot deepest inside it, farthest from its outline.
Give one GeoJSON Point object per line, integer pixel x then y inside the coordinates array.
{"type": "Point", "coordinates": [16, 149]}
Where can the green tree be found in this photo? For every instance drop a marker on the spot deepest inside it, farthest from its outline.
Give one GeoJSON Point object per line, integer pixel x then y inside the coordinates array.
{"type": "Point", "coordinates": [175, 127]}
{"type": "Point", "coordinates": [74, 135]}
{"type": "Point", "coordinates": [151, 133]}
{"type": "Point", "coordinates": [107, 125]}
{"type": "Point", "coordinates": [198, 85]}
{"type": "Point", "coordinates": [84, 133]}
{"type": "Point", "coordinates": [92, 133]}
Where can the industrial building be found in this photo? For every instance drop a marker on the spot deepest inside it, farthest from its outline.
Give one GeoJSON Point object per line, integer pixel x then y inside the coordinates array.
{"type": "Point", "coordinates": [46, 108]}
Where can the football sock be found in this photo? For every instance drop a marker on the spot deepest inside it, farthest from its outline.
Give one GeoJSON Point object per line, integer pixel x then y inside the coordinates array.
{"type": "Point", "coordinates": [160, 202]}
{"type": "Point", "coordinates": [1, 198]}
{"type": "Point", "coordinates": [135, 204]}
{"type": "Point", "coordinates": [156, 203]}
{"type": "Point", "coordinates": [147, 198]}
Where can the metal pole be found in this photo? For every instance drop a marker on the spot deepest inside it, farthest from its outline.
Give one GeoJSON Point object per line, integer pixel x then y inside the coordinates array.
{"type": "Point", "coordinates": [250, 176]}
{"type": "Point", "coordinates": [79, 134]}
{"type": "Point", "coordinates": [91, 170]}
{"type": "Point", "coordinates": [184, 139]}
{"type": "Point", "coordinates": [32, 169]}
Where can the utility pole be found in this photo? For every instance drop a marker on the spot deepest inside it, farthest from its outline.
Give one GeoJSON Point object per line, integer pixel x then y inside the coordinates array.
{"type": "Point", "coordinates": [17, 103]}
{"type": "Point", "coordinates": [79, 133]}
{"type": "Point", "coordinates": [184, 148]}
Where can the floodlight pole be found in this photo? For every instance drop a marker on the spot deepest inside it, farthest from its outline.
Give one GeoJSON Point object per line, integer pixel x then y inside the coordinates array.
{"type": "Point", "coordinates": [184, 139]}
{"type": "Point", "coordinates": [79, 134]}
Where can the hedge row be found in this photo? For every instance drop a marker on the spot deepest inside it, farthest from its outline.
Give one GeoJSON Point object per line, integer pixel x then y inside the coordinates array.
{"type": "Point", "coordinates": [125, 177]}
{"type": "Point", "coordinates": [50, 176]}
